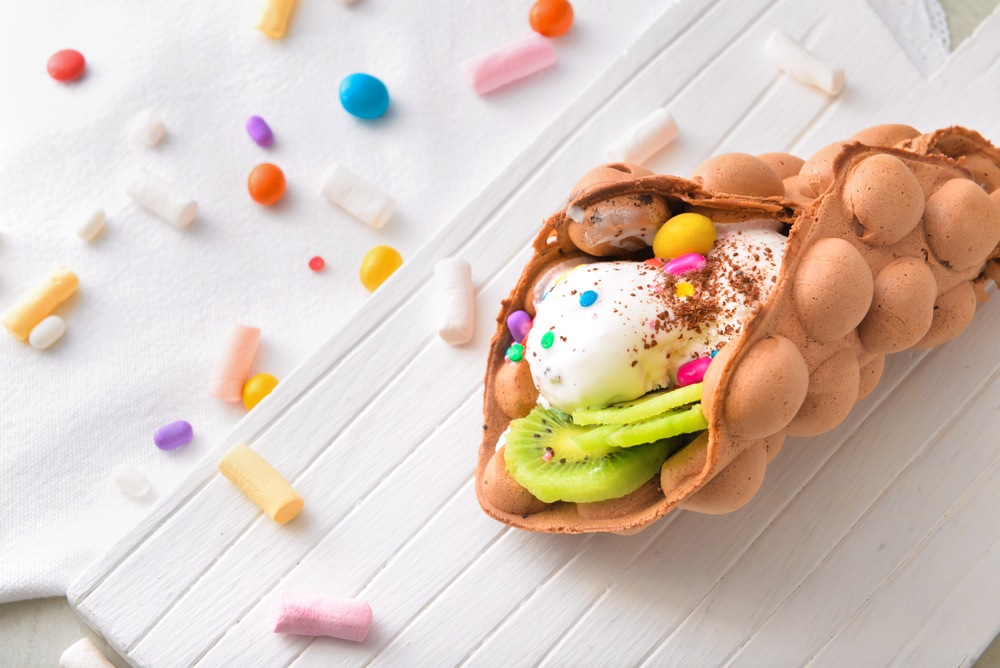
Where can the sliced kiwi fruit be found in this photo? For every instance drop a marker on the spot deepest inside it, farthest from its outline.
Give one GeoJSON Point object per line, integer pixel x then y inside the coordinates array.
{"type": "Point", "coordinates": [660, 427]}
{"type": "Point", "coordinates": [647, 406]}
{"type": "Point", "coordinates": [573, 473]}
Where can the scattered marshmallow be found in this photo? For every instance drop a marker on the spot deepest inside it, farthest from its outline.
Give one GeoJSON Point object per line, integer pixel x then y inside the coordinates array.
{"type": "Point", "coordinates": [644, 139]}
{"type": "Point", "coordinates": [277, 14]}
{"type": "Point", "coordinates": [493, 70]}
{"type": "Point", "coordinates": [47, 332]}
{"type": "Point", "coordinates": [91, 225]}
{"type": "Point", "coordinates": [157, 196]}
{"type": "Point", "coordinates": [303, 615]}
{"type": "Point", "coordinates": [261, 483]}
{"type": "Point", "coordinates": [801, 65]}
{"type": "Point", "coordinates": [147, 129]}
{"type": "Point", "coordinates": [130, 480]}
{"type": "Point", "coordinates": [363, 200]}
{"type": "Point", "coordinates": [84, 654]}
{"type": "Point", "coordinates": [34, 307]}
{"type": "Point", "coordinates": [234, 366]}
{"type": "Point", "coordinates": [455, 300]}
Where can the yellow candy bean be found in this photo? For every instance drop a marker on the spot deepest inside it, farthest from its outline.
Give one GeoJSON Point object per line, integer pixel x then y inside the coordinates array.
{"type": "Point", "coordinates": [684, 233]}
{"type": "Point", "coordinates": [378, 264]}
{"type": "Point", "coordinates": [256, 388]}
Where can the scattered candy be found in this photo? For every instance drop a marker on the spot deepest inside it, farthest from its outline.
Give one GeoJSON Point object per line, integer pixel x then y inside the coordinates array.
{"type": "Point", "coordinates": [261, 483]}
{"type": "Point", "coordinates": [644, 139]}
{"type": "Point", "coordinates": [130, 481]}
{"type": "Point", "coordinates": [516, 352]}
{"type": "Point", "coordinates": [549, 454]}
{"type": "Point", "coordinates": [66, 65]}
{"type": "Point", "coordinates": [277, 14]}
{"type": "Point", "coordinates": [156, 195]}
{"type": "Point", "coordinates": [34, 307]}
{"type": "Point", "coordinates": [83, 654]}
{"type": "Point", "coordinates": [356, 196]}
{"type": "Point", "coordinates": [47, 332]}
{"type": "Point", "coordinates": [693, 372]}
{"type": "Point", "coordinates": [266, 184]}
{"type": "Point", "coordinates": [519, 322]}
{"type": "Point", "coordinates": [684, 233]}
{"type": "Point", "coordinates": [793, 59]}
{"type": "Point", "coordinates": [685, 263]}
{"type": "Point", "coordinates": [654, 262]}
{"type": "Point", "coordinates": [714, 353]}
{"type": "Point", "coordinates": [298, 614]}
{"type": "Point", "coordinates": [548, 338]}
{"type": "Point", "coordinates": [379, 264]}
{"type": "Point", "coordinates": [260, 131]}
{"type": "Point", "coordinates": [174, 435]}
{"type": "Point", "coordinates": [494, 70]}
{"type": "Point", "coordinates": [256, 388]}
{"type": "Point", "coordinates": [91, 225]}
{"type": "Point", "coordinates": [455, 300]}
{"type": "Point", "coordinates": [234, 364]}
{"type": "Point", "coordinates": [587, 298]}
{"type": "Point", "coordinates": [147, 129]}
{"type": "Point", "coordinates": [551, 18]}
{"type": "Point", "coordinates": [363, 95]}
{"type": "Point", "coordinates": [317, 263]}
{"type": "Point", "coordinates": [684, 289]}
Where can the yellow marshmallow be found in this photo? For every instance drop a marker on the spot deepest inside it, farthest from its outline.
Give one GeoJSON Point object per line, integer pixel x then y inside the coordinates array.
{"type": "Point", "coordinates": [274, 20]}
{"type": "Point", "coordinates": [34, 307]}
{"type": "Point", "coordinates": [261, 483]}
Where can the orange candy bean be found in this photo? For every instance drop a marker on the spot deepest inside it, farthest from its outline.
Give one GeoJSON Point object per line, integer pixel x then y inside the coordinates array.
{"type": "Point", "coordinates": [551, 18]}
{"type": "Point", "coordinates": [266, 184]}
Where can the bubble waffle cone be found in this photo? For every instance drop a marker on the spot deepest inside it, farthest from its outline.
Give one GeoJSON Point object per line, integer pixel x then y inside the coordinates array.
{"type": "Point", "coordinates": [891, 236]}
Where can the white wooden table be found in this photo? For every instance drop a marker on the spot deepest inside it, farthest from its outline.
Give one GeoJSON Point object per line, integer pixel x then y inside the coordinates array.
{"type": "Point", "coordinates": [874, 544]}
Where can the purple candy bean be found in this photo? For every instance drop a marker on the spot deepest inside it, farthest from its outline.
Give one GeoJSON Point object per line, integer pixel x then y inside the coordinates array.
{"type": "Point", "coordinates": [685, 263]}
{"type": "Point", "coordinates": [519, 323]}
{"type": "Point", "coordinates": [173, 435]}
{"type": "Point", "coordinates": [693, 372]}
{"type": "Point", "coordinates": [259, 131]}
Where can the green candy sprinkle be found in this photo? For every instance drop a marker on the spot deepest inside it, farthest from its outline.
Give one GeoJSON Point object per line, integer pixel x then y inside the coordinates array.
{"type": "Point", "coordinates": [515, 353]}
{"type": "Point", "coordinates": [548, 339]}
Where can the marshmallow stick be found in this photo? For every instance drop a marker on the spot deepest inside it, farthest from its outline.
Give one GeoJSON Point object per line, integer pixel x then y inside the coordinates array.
{"type": "Point", "coordinates": [154, 194]}
{"type": "Point", "coordinates": [299, 614]}
{"type": "Point", "coordinates": [147, 129]}
{"type": "Point", "coordinates": [34, 307]}
{"type": "Point", "coordinates": [792, 58]}
{"type": "Point", "coordinates": [130, 480]}
{"type": "Point", "coordinates": [84, 654]}
{"type": "Point", "coordinates": [363, 200]}
{"type": "Point", "coordinates": [91, 225]}
{"type": "Point", "coordinates": [274, 20]}
{"type": "Point", "coordinates": [493, 70]}
{"type": "Point", "coordinates": [261, 483]}
{"type": "Point", "coordinates": [234, 365]}
{"type": "Point", "coordinates": [641, 141]}
{"type": "Point", "coordinates": [455, 300]}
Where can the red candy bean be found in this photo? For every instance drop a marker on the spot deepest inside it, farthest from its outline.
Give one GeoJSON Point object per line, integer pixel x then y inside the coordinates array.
{"type": "Point", "coordinates": [66, 65]}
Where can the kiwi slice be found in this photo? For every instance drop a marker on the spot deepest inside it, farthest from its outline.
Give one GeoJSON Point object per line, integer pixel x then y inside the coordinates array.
{"type": "Point", "coordinates": [642, 408]}
{"type": "Point", "coordinates": [659, 427]}
{"type": "Point", "coordinates": [573, 473]}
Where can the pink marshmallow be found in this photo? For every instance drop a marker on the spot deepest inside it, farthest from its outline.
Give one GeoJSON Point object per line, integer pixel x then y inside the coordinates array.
{"type": "Point", "coordinates": [304, 615]}
{"type": "Point", "coordinates": [234, 366]}
{"type": "Point", "coordinates": [519, 60]}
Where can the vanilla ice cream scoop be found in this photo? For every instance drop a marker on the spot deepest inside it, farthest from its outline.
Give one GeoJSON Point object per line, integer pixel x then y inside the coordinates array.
{"type": "Point", "coordinates": [612, 331]}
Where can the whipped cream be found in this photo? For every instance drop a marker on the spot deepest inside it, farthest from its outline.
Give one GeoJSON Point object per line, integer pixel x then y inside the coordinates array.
{"type": "Point", "coordinates": [639, 329]}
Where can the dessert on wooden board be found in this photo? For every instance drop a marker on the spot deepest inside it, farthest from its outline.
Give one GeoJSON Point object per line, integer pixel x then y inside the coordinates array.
{"type": "Point", "coordinates": [669, 333]}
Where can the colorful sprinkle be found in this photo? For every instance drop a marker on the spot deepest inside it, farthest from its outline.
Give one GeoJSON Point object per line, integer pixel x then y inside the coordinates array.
{"type": "Point", "coordinates": [684, 289]}
{"type": "Point", "coordinates": [654, 262]}
{"type": "Point", "coordinates": [714, 353]}
{"type": "Point", "coordinates": [317, 263]}
{"type": "Point", "coordinates": [548, 339]}
{"type": "Point", "coordinates": [686, 263]}
{"type": "Point", "coordinates": [519, 323]}
{"type": "Point", "coordinates": [587, 298]}
{"type": "Point", "coordinates": [515, 353]}
{"type": "Point", "coordinates": [548, 454]}
{"type": "Point", "coordinates": [693, 372]}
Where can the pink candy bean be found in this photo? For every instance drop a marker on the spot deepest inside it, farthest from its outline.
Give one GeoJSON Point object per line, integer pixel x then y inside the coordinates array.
{"type": "Point", "coordinates": [693, 372]}
{"type": "Point", "coordinates": [509, 64]}
{"type": "Point", "coordinates": [304, 615]}
{"type": "Point", "coordinates": [685, 263]}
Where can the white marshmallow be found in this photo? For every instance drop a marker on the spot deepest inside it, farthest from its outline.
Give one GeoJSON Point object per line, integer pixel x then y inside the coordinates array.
{"type": "Point", "coordinates": [641, 141]}
{"type": "Point", "coordinates": [147, 129]}
{"type": "Point", "coordinates": [792, 58]}
{"type": "Point", "coordinates": [130, 481]}
{"type": "Point", "coordinates": [154, 194]}
{"type": "Point", "coordinates": [84, 654]}
{"type": "Point", "coordinates": [91, 225]}
{"type": "Point", "coordinates": [455, 300]}
{"type": "Point", "coordinates": [47, 332]}
{"type": "Point", "coordinates": [363, 200]}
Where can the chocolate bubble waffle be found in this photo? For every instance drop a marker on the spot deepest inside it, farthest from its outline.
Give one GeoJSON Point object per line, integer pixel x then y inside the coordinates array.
{"type": "Point", "coordinates": [891, 236]}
